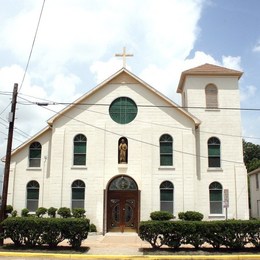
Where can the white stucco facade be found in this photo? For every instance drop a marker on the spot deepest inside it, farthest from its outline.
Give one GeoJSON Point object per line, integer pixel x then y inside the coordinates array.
{"type": "Point", "coordinates": [254, 182]}
{"type": "Point", "coordinates": [190, 128]}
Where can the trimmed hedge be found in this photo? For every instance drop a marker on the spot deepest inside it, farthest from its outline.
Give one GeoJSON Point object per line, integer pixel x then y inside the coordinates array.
{"type": "Point", "coordinates": [234, 234]}
{"type": "Point", "coordinates": [190, 216]}
{"type": "Point", "coordinates": [32, 231]}
{"type": "Point", "coordinates": [161, 215]}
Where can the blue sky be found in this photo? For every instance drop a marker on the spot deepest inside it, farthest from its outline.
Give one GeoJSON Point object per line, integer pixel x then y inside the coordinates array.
{"type": "Point", "coordinates": [77, 39]}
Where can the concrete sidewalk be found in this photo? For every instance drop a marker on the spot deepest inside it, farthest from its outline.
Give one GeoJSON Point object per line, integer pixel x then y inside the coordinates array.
{"type": "Point", "coordinates": [115, 244]}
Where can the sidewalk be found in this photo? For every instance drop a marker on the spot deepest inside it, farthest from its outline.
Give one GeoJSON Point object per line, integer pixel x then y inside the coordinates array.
{"type": "Point", "coordinates": [115, 244]}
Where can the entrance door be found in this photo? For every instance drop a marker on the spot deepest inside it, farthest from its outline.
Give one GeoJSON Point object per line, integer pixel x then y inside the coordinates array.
{"type": "Point", "coordinates": [122, 206]}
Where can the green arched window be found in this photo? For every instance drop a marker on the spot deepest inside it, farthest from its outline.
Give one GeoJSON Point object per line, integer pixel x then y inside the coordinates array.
{"type": "Point", "coordinates": [214, 152]}
{"type": "Point", "coordinates": [35, 152]}
{"type": "Point", "coordinates": [166, 142]}
{"type": "Point", "coordinates": [80, 149]}
{"type": "Point", "coordinates": [33, 189]}
{"type": "Point", "coordinates": [78, 194]}
{"type": "Point", "coordinates": [123, 110]}
{"type": "Point", "coordinates": [215, 198]}
{"type": "Point", "coordinates": [166, 196]}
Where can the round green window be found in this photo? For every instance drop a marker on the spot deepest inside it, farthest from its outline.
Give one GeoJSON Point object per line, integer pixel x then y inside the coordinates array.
{"type": "Point", "coordinates": [123, 110]}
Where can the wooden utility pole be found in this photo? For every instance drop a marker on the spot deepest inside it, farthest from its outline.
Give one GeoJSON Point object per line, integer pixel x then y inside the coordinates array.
{"type": "Point", "coordinates": [8, 159]}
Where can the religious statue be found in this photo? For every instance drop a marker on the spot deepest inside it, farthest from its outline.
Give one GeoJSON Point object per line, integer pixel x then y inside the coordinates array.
{"type": "Point", "coordinates": [122, 151]}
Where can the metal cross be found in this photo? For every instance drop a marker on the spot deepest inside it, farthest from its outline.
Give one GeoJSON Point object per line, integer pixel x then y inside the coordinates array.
{"type": "Point", "coordinates": [124, 55]}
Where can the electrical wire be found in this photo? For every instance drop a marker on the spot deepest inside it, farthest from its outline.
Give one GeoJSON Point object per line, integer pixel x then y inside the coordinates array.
{"type": "Point", "coordinates": [48, 102]}
{"type": "Point", "coordinates": [208, 132]}
{"type": "Point", "coordinates": [29, 58]}
{"type": "Point", "coordinates": [135, 139]}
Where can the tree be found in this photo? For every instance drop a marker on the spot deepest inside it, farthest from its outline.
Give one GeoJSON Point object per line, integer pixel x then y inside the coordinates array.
{"type": "Point", "coordinates": [251, 155]}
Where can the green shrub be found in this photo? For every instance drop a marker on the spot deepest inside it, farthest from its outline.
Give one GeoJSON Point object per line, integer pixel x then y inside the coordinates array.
{"type": "Point", "coordinates": [8, 209]}
{"type": "Point", "coordinates": [52, 212]}
{"type": "Point", "coordinates": [161, 215]}
{"type": "Point", "coordinates": [181, 215]}
{"type": "Point", "coordinates": [64, 212]}
{"type": "Point", "coordinates": [75, 230]}
{"type": "Point", "coordinates": [92, 228]}
{"type": "Point", "coordinates": [233, 234]}
{"type": "Point", "coordinates": [78, 213]}
{"type": "Point", "coordinates": [40, 212]}
{"type": "Point", "coordinates": [190, 216]}
{"type": "Point", "coordinates": [31, 231]}
{"type": "Point", "coordinates": [14, 213]}
{"type": "Point", "coordinates": [25, 212]}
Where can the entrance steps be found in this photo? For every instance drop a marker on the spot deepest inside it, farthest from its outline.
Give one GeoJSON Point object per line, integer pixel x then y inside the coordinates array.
{"type": "Point", "coordinates": [122, 238]}
{"type": "Point", "coordinates": [115, 243]}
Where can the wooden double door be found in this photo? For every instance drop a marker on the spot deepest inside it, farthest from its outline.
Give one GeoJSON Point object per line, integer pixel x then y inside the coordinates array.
{"type": "Point", "coordinates": [122, 210]}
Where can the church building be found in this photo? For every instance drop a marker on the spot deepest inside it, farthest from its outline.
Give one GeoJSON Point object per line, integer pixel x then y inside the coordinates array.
{"type": "Point", "coordinates": [124, 150]}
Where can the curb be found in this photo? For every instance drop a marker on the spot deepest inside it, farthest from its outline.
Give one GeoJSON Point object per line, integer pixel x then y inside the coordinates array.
{"type": "Point", "coordinates": [130, 257]}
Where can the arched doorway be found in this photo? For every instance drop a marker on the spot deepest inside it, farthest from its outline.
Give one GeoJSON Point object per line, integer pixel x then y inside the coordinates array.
{"type": "Point", "coordinates": [122, 205]}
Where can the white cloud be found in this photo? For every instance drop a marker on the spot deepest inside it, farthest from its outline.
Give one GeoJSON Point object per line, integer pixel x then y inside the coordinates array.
{"type": "Point", "coordinates": [257, 47]}
{"type": "Point", "coordinates": [77, 40]}
{"type": "Point", "coordinates": [232, 62]}
{"type": "Point", "coordinates": [103, 70]}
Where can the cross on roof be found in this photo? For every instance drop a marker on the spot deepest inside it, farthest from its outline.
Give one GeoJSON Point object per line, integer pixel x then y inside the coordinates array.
{"type": "Point", "coordinates": [124, 55]}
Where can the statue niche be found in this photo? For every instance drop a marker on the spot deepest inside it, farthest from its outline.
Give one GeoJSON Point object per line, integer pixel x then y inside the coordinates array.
{"type": "Point", "coordinates": [122, 150]}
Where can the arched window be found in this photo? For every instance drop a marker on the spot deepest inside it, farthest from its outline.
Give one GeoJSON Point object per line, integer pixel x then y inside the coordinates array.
{"type": "Point", "coordinates": [166, 196]}
{"type": "Point", "coordinates": [80, 149]}
{"type": "Point", "coordinates": [211, 93]}
{"type": "Point", "coordinates": [122, 150]}
{"type": "Point", "coordinates": [215, 198]}
{"type": "Point", "coordinates": [33, 189]}
{"type": "Point", "coordinates": [35, 152]}
{"type": "Point", "coordinates": [166, 150]}
{"type": "Point", "coordinates": [213, 152]}
{"type": "Point", "coordinates": [78, 194]}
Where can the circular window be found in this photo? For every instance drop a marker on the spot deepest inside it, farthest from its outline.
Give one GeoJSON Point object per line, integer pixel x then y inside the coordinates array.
{"type": "Point", "coordinates": [123, 110]}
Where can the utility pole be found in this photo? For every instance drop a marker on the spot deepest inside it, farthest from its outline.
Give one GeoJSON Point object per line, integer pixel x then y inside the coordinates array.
{"type": "Point", "coordinates": [8, 159]}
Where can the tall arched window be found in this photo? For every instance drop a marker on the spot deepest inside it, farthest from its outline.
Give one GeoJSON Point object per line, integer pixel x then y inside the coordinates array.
{"type": "Point", "coordinates": [78, 194]}
{"type": "Point", "coordinates": [166, 143]}
{"type": "Point", "coordinates": [35, 152]}
{"type": "Point", "coordinates": [214, 152]}
{"type": "Point", "coordinates": [211, 93]}
{"type": "Point", "coordinates": [215, 198]}
{"type": "Point", "coordinates": [166, 196]}
{"type": "Point", "coordinates": [80, 149]}
{"type": "Point", "coordinates": [32, 199]}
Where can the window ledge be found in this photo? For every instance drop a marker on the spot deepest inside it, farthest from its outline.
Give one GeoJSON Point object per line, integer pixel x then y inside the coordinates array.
{"type": "Point", "coordinates": [166, 168]}
{"type": "Point", "coordinates": [217, 216]}
{"type": "Point", "coordinates": [122, 165]}
{"type": "Point", "coordinates": [213, 109]}
{"type": "Point", "coordinates": [79, 167]}
{"type": "Point", "coordinates": [215, 169]}
{"type": "Point", "coordinates": [33, 169]}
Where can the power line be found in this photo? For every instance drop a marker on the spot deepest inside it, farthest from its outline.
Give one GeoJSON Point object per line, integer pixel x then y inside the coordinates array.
{"type": "Point", "coordinates": [5, 109]}
{"type": "Point", "coordinates": [53, 103]}
{"type": "Point", "coordinates": [208, 132]}
{"type": "Point", "coordinates": [135, 139]}
{"type": "Point", "coordinates": [29, 58]}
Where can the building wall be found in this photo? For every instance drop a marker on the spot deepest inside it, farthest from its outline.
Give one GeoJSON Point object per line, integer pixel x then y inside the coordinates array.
{"type": "Point", "coordinates": [189, 174]}
{"type": "Point", "coordinates": [254, 184]}
{"type": "Point", "coordinates": [225, 124]}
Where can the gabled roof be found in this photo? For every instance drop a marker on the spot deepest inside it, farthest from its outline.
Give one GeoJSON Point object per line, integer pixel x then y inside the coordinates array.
{"type": "Point", "coordinates": [207, 70]}
{"type": "Point", "coordinates": [37, 135]}
{"type": "Point", "coordinates": [114, 78]}
{"type": "Point", "coordinates": [133, 78]}
{"type": "Point", "coordinates": [256, 171]}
